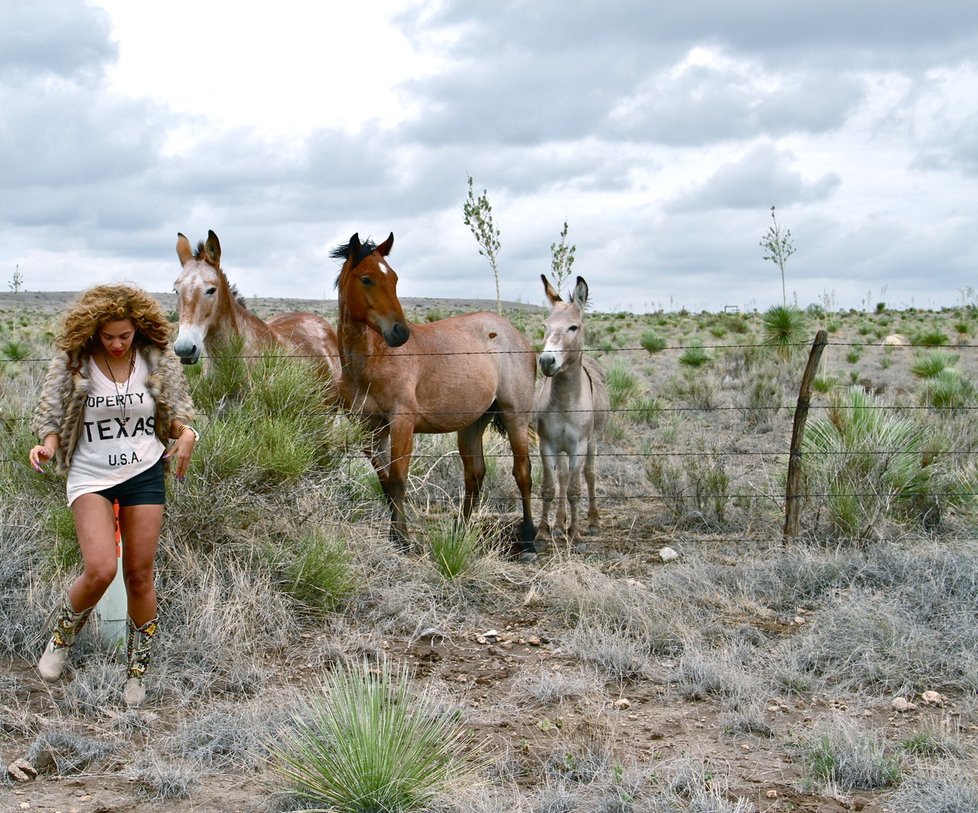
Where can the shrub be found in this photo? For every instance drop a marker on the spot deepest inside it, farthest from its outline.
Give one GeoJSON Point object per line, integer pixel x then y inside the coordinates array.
{"type": "Point", "coordinates": [948, 390]}
{"type": "Point", "coordinates": [369, 743]}
{"type": "Point", "coordinates": [784, 329]}
{"type": "Point", "coordinates": [622, 384]}
{"type": "Point", "coordinates": [930, 338]}
{"type": "Point", "coordinates": [930, 364]}
{"type": "Point", "coordinates": [652, 342]}
{"type": "Point", "coordinates": [454, 546]}
{"type": "Point", "coordinates": [316, 569]}
{"type": "Point", "coordinates": [695, 355]}
{"type": "Point", "coordinates": [843, 754]}
{"type": "Point", "coordinates": [868, 464]}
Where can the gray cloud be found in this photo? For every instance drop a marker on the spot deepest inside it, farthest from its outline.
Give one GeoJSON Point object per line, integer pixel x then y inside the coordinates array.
{"type": "Point", "coordinates": [857, 120]}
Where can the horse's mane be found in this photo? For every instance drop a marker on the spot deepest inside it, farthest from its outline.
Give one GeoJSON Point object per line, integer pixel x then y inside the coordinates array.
{"type": "Point", "coordinates": [342, 252]}
{"type": "Point", "coordinates": [199, 254]}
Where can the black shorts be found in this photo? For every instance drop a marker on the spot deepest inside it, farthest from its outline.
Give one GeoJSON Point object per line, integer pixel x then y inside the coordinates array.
{"type": "Point", "coordinates": [145, 488]}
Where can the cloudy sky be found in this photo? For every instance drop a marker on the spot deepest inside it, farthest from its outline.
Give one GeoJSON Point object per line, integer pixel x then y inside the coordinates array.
{"type": "Point", "coordinates": [662, 133]}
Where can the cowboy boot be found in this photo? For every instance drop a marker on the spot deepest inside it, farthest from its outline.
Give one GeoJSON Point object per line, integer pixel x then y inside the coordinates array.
{"type": "Point", "coordinates": [139, 647]}
{"type": "Point", "coordinates": [67, 624]}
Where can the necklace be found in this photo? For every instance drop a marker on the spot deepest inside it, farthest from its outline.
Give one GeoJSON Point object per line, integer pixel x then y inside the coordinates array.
{"type": "Point", "coordinates": [120, 399]}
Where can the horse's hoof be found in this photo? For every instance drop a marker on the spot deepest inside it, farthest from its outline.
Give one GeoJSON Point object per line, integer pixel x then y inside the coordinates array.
{"type": "Point", "coordinates": [525, 552]}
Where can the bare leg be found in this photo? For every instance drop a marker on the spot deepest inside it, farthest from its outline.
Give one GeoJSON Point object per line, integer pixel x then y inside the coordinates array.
{"type": "Point", "coordinates": [95, 528]}
{"type": "Point", "coordinates": [140, 526]}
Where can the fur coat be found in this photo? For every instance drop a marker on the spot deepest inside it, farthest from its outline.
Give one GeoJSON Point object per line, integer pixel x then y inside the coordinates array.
{"type": "Point", "coordinates": [60, 408]}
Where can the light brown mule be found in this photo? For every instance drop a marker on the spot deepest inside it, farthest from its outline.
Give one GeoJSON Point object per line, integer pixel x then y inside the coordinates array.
{"type": "Point", "coordinates": [213, 318]}
{"type": "Point", "coordinates": [453, 375]}
{"type": "Point", "coordinates": [572, 407]}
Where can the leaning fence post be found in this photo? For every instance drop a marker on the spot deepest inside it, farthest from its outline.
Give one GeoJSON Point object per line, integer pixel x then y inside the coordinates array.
{"type": "Point", "coordinates": [792, 495]}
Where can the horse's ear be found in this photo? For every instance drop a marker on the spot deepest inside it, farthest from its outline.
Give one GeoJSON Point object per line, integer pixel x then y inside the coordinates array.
{"type": "Point", "coordinates": [385, 247]}
{"type": "Point", "coordinates": [579, 297]}
{"type": "Point", "coordinates": [552, 293]}
{"type": "Point", "coordinates": [184, 251]}
{"type": "Point", "coordinates": [212, 249]}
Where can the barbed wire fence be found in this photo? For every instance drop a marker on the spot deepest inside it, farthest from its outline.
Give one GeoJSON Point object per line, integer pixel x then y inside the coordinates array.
{"type": "Point", "coordinates": [772, 467]}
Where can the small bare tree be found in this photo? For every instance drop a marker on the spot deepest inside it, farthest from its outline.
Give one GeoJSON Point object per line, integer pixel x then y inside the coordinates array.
{"type": "Point", "coordinates": [16, 281]}
{"type": "Point", "coordinates": [778, 248]}
{"type": "Point", "coordinates": [478, 217]}
{"type": "Point", "coordinates": [562, 259]}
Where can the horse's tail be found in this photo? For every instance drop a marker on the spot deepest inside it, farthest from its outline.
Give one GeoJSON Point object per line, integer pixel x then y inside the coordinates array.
{"type": "Point", "coordinates": [500, 425]}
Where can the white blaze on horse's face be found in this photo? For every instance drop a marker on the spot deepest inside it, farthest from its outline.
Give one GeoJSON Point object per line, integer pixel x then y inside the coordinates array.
{"type": "Point", "coordinates": [563, 339]}
{"type": "Point", "coordinates": [197, 290]}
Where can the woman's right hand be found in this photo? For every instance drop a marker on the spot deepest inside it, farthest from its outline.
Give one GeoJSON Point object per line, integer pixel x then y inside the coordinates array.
{"type": "Point", "coordinates": [38, 455]}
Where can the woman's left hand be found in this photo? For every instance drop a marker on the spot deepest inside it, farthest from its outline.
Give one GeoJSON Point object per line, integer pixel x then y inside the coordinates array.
{"type": "Point", "coordinates": [180, 452]}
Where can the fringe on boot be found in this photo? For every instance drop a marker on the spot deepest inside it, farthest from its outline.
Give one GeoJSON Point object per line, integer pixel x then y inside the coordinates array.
{"type": "Point", "coordinates": [68, 622]}
{"type": "Point", "coordinates": [139, 648]}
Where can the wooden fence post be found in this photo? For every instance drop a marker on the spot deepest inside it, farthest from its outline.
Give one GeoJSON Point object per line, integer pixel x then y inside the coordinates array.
{"type": "Point", "coordinates": [792, 496]}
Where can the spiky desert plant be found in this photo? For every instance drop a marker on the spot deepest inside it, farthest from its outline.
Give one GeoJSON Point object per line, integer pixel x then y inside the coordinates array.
{"type": "Point", "coordinates": [695, 355]}
{"type": "Point", "coordinates": [948, 390]}
{"type": "Point", "coordinates": [868, 464]}
{"type": "Point", "coordinates": [454, 545]}
{"type": "Point", "coordinates": [622, 384]}
{"type": "Point", "coordinates": [930, 364]}
{"type": "Point", "coordinates": [784, 329]}
{"type": "Point", "coordinates": [652, 342]}
{"type": "Point", "coordinates": [367, 742]}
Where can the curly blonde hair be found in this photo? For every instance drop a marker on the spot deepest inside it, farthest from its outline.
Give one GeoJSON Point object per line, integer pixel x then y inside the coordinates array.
{"type": "Point", "coordinates": [109, 303]}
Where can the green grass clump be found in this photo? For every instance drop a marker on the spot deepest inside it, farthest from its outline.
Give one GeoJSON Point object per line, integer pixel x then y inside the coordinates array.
{"type": "Point", "coordinates": [948, 390]}
{"type": "Point", "coordinates": [317, 570]}
{"type": "Point", "coordinates": [784, 329]}
{"type": "Point", "coordinates": [454, 546]}
{"type": "Point", "coordinates": [695, 355]}
{"type": "Point", "coordinates": [269, 422]}
{"type": "Point", "coordinates": [842, 754]}
{"type": "Point", "coordinates": [931, 364]}
{"type": "Point", "coordinates": [653, 342]}
{"type": "Point", "coordinates": [931, 338]}
{"type": "Point", "coordinates": [15, 351]}
{"type": "Point", "coordinates": [369, 743]}
{"type": "Point", "coordinates": [872, 464]}
{"type": "Point", "coordinates": [622, 384]}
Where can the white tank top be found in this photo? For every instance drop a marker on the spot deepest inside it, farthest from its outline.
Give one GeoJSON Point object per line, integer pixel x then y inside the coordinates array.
{"type": "Point", "coordinates": [118, 438]}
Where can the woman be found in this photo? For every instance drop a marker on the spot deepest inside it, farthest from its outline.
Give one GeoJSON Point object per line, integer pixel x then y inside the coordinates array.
{"type": "Point", "coordinates": [113, 398]}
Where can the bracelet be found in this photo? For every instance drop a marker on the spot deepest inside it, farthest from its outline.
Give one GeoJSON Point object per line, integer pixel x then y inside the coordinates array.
{"type": "Point", "coordinates": [185, 427]}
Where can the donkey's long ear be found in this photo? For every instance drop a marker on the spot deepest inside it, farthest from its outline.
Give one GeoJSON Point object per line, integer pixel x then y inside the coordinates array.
{"type": "Point", "coordinates": [385, 247]}
{"type": "Point", "coordinates": [212, 249]}
{"type": "Point", "coordinates": [579, 297]}
{"type": "Point", "coordinates": [552, 294]}
{"type": "Point", "coordinates": [184, 251]}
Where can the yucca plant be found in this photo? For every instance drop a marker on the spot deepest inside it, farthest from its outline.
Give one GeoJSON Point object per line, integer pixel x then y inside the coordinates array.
{"type": "Point", "coordinates": [930, 364]}
{"type": "Point", "coordinates": [695, 355]}
{"type": "Point", "coordinates": [367, 743]}
{"type": "Point", "coordinates": [868, 464]}
{"type": "Point", "coordinates": [931, 338]}
{"type": "Point", "coordinates": [784, 329]}
{"type": "Point", "coordinates": [652, 342]}
{"type": "Point", "coordinates": [454, 546]}
{"type": "Point", "coordinates": [622, 384]}
{"type": "Point", "coordinates": [948, 390]}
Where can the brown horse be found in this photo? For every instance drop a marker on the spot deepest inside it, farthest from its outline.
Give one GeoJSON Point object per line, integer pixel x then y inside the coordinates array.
{"type": "Point", "coordinates": [212, 316]}
{"type": "Point", "coordinates": [453, 375]}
